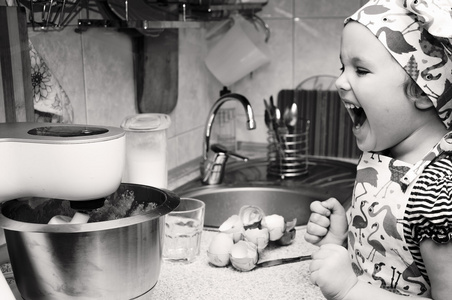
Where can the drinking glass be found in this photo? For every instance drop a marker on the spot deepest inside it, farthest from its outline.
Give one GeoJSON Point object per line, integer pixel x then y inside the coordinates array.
{"type": "Point", "coordinates": [183, 230]}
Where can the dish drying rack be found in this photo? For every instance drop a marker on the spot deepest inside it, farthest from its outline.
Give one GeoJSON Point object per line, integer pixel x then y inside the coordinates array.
{"type": "Point", "coordinates": [140, 14]}
{"type": "Point", "coordinates": [287, 153]}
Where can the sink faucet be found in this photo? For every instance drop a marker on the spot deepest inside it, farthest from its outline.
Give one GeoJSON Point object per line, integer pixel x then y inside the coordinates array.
{"type": "Point", "coordinates": [214, 162]}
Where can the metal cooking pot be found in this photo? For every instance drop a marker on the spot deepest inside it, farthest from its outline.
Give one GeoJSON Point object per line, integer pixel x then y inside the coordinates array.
{"type": "Point", "coordinates": [113, 259]}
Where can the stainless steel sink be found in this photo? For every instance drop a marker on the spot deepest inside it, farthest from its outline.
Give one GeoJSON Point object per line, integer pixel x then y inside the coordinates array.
{"type": "Point", "coordinates": [249, 184]}
{"type": "Point", "coordinates": [223, 202]}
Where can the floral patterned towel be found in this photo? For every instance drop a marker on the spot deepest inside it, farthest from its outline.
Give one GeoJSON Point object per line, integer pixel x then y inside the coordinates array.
{"type": "Point", "coordinates": [50, 101]}
{"type": "Point", "coordinates": [7, 271]}
{"type": "Point", "coordinates": [9, 276]}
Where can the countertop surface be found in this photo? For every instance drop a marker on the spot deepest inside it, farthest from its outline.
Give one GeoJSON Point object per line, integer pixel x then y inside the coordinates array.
{"type": "Point", "coordinates": [200, 280]}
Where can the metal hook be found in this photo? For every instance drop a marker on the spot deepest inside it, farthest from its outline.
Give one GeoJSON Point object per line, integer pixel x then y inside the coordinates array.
{"type": "Point", "coordinates": [264, 25]}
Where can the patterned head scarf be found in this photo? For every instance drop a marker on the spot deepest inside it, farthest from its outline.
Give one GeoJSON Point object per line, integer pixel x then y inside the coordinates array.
{"type": "Point", "coordinates": [418, 34]}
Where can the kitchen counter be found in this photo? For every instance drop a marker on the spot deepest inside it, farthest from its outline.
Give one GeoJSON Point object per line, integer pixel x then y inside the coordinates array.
{"type": "Point", "coordinates": [200, 280]}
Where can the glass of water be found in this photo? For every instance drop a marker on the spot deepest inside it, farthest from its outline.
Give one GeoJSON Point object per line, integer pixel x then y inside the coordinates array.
{"type": "Point", "coordinates": [183, 229]}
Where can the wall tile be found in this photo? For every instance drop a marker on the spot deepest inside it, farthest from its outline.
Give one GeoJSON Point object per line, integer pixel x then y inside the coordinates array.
{"type": "Point", "coordinates": [317, 45]}
{"type": "Point", "coordinates": [193, 99]}
{"type": "Point", "coordinates": [280, 9]}
{"type": "Point", "coordinates": [325, 8]}
{"type": "Point", "coordinates": [109, 77]}
{"type": "Point", "coordinates": [258, 135]}
{"type": "Point", "coordinates": [197, 93]}
{"type": "Point", "coordinates": [189, 146]}
{"type": "Point", "coordinates": [172, 152]}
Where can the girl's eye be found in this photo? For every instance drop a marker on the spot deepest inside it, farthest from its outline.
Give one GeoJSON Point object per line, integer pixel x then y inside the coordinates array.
{"type": "Point", "coordinates": [342, 69]}
{"type": "Point", "coordinates": [361, 71]}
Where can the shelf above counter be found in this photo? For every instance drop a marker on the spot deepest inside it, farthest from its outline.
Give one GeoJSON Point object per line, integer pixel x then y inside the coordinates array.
{"type": "Point", "coordinates": [138, 14]}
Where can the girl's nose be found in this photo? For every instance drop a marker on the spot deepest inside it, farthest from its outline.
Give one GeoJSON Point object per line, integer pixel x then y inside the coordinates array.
{"type": "Point", "coordinates": [342, 83]}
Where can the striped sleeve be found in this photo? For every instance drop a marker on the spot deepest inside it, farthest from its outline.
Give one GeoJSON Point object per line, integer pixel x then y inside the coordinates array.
{"type": "Point", "coordinates": [429, 210]}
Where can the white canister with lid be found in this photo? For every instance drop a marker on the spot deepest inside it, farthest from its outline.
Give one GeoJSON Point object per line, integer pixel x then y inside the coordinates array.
{"type": "Point", "coordinates": [146, 149]}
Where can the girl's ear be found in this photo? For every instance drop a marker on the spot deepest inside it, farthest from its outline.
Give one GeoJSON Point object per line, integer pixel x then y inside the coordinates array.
{"type": "Point", "coordinates": [423, 102]}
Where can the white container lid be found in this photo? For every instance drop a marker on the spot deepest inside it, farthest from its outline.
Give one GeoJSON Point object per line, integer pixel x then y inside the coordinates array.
{"type": "Point", "coordinates": [146, 122]}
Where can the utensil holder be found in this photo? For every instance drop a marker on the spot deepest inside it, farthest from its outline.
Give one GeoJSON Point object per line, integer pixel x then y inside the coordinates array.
{"type": "Point", "coordinates": [287, 152]}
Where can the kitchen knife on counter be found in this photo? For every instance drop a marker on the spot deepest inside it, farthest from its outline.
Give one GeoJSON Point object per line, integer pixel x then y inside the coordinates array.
{"type": "Point", "coordinates": [282, 261]}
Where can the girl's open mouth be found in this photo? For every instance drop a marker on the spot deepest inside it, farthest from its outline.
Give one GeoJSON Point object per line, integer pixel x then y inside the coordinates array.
{"type": "Point", "coordinates": [357, 114]}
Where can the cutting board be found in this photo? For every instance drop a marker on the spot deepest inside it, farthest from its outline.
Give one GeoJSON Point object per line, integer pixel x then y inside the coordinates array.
{"type": "Point", "coordinates": [156, 71]}
{"type": "Point", "coordinates": [15, 66]}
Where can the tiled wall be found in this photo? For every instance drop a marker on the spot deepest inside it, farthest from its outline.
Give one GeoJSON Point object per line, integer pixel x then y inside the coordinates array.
{"type": "Point", "coordinates": [96, 70]}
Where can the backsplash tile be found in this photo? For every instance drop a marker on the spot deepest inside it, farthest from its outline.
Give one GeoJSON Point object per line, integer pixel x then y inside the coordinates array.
{"type": "Point", "coordinates": [279, 9]}
{"type": "Point", "coordinates": [189, 146]}
{"type": "Point", "coordinates": [109, 76]}
{"type": "Point", "coordinates": [325, 8]}
{"type": "Point", "coordinates": [316, 44]}
{"type": "Point", "coordinates": [194, 78]}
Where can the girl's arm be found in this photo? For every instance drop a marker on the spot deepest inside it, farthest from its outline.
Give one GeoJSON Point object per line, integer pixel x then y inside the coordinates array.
{"type": "Point", "coordinates": [331, 271]}
{"type": "Point", "coordinates": [438, 262]}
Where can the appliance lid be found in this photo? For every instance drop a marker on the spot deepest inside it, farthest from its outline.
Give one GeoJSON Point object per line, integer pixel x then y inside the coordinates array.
{"type": "Point", "coordinates": [52, 133]}
{"type": "Point", "coordinates": [146, 122]}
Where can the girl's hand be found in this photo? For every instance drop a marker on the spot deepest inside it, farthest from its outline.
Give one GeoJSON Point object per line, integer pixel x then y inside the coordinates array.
{"type": "Point", "coordinates": [327, 223]}
{"type": "Point", "coordinates": [332, 272]}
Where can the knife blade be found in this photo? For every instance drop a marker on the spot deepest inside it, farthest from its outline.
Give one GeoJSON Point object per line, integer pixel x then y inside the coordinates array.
{"type": "Point", "coordinates": [282, 261]}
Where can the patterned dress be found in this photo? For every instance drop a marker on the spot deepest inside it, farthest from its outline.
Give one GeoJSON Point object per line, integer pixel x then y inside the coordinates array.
{"type": "Point", "coordinates": [395, 206]}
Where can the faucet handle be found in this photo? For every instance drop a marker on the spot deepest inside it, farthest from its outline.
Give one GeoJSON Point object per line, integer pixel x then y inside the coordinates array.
{"type": "Point", "coordinates": [212, 169]}
{"type": "Point", "coordinates": [218, 148]}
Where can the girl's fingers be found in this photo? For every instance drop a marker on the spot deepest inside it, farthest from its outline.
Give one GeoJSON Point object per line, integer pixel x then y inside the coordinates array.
{"type": "Point", "coordinates": [333, 206]}
{"type": "Point", "coordinates": [319, 220]}
{"type": "Point", "coordinates": [317, 207]}
{"type": "Point", "coordinates": [316, 229]}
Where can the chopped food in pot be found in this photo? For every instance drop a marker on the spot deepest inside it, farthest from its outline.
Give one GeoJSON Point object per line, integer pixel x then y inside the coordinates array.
{"type": "Point", "coordinates": [41, 210]}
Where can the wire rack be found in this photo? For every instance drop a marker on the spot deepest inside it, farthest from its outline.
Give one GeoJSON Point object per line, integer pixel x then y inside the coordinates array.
{"type": "Point", "coordinates": [287, 152]}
